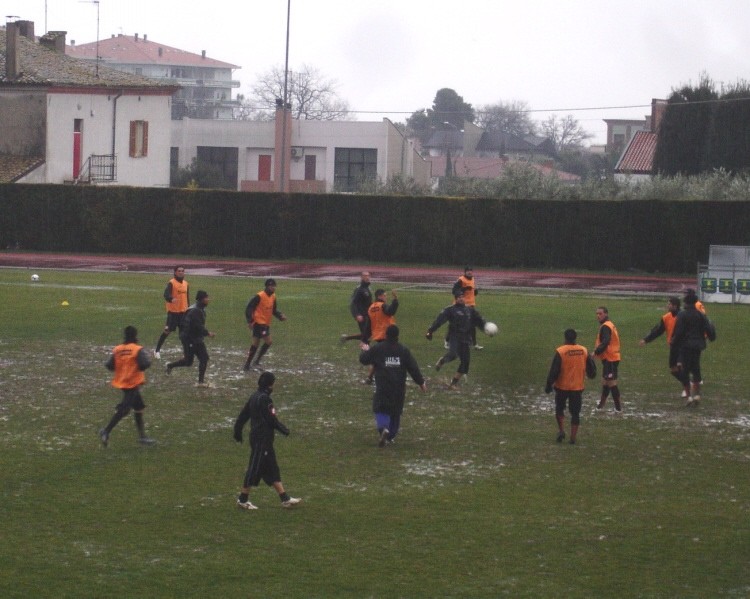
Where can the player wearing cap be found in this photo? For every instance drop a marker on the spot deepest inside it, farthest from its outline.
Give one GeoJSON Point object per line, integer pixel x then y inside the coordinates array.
{"type": "Point", "coordinates": [263, 466]}
{"type": "Point", "coordinates": [462, 320]}
{"type": "Point", "coordinates": [193, 334]}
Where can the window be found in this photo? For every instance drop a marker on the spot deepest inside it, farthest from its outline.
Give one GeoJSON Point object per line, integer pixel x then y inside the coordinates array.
{"type": "Point", "coordinates": [138, 139]}
{"type": "Point", "coordinates": [354, 166]}
{"type": "Point", "coordinates": [310, 164]}
{"type": "Point", "coordinates": [219, 165]}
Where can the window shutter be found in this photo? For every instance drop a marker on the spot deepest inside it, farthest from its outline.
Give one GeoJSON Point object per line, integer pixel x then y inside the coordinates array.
{"type": "Point", "coordinates": [145, 138]}
{"type": "Point", "coordinates": [132, 138]}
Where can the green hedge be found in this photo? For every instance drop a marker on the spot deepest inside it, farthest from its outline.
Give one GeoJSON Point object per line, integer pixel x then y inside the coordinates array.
{"type": "Point", "coordinates": [652, 236]}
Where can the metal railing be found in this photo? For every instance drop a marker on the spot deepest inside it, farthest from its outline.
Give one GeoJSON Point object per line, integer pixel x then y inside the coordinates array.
{"type": "Point", "coordinates": [98, 168]}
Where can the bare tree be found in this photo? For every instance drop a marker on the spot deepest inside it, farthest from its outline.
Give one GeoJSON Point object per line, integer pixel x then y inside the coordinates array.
{"type": "Point", "coordinates": [507, 117]}
{"type": "Point", "coordinates": [312, 96]}
{"type": "Point", "coordinates": [566, 133]}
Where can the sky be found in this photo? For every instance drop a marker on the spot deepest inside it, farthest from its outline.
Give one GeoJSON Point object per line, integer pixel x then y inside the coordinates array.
{"type": "Point", "coordinates": [593, 59]}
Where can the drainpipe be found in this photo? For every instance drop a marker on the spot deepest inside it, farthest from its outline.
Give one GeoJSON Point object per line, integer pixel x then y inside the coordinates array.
{"type": "Point", "coordinates": [114, 120]}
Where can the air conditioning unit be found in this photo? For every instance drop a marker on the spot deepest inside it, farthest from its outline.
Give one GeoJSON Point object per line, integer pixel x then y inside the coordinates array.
{"type": "Point", "coordinates": [298, 152]}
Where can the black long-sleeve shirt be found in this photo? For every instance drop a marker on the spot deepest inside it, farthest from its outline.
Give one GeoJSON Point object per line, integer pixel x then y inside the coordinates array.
{"type": "Point", "coordinates": [360, 300]}
{"type": "Point", "coordinates": [260, 412]}
{"type": "Point", "coordinates": [691, 329]}
{"type": "Point", "coordinates": [392, 362]}
{"type": "Point", "coordinates": [194, 326]}
{"type": "Point", "coordinates": [461, 320]}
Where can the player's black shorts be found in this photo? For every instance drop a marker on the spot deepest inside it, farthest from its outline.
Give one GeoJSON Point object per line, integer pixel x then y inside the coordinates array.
{"type": "Point", "coordinates": [174, 321]}
{"type": "Point", "coordinates": [574, 400]}
{"type": "Point", "coordinates": [262, 466]}
{"type": "Point", "coordinates": [609, 370]}
{"type": "Point", "coordinates": [674, 356]}
{"type": "Point", "coordinates": [261, 331]}
{"type": "Point", "coordinates": [131, 400]}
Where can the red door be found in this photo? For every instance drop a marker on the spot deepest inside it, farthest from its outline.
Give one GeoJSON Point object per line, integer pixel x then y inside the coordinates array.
{"type": "Point", "coordinates": [77, 146]}
{"type": "Point", "coordinates": [264, 167]}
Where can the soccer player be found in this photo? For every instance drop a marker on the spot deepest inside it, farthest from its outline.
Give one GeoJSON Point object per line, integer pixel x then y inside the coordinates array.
{"type": "Point", "coordinates": [462, 320]}
{"type": "Point", "coordinates": [358, 304]}
{"type": "Point", "coordinates": [129, 362]}
{"type": "Point", "coordinates": [691, 330]}
{"type": "Point", "coordinates": [666, 325]}
{"type": "Point", "coordinates": [193, 336]}
{"type": "Point", "coordinates": [608, 351]}
{"type": "Point", "coordinates": [258, 313]}
{"type": "Point", "coordinates": [380, 316]}
{"type": "Point", "coordinates": [467, 283]}
{"type": "Point", "coordinates": [570, 364]}
{"type": "Point", "coordinates": [392, 361]}
{"type": "Point", "coordinates": [263, 466]}
{"type": "Point", "coordinates": [177, 298]}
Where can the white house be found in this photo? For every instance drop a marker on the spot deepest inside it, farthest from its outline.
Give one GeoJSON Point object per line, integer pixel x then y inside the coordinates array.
{"type": "Point", "coordinates": [65, 120]}
{"type": "Point", "coordinates": [321, 156]}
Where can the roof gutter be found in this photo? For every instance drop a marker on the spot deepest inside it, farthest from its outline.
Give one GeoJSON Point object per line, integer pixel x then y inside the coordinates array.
{"type": "Point", "coordinates": [114, 120]}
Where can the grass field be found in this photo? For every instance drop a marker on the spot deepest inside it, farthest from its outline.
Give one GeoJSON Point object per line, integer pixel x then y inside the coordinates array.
{"type": "Point", "coordinates": [474, 500]}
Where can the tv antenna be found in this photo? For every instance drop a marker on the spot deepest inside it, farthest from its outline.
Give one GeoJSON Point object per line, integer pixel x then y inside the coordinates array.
{"type": "Point", "coordinates": [97, 30]}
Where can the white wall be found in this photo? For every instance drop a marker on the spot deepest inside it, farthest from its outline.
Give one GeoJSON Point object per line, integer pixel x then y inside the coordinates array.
{"type": "Point", "coordinates": [96, 111]}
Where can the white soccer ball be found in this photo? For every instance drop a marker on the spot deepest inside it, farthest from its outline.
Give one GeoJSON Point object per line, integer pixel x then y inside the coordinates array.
{"type": "Point", "coordinates": [490, 328]}
{"type": "Point", "coordinates": [35, 277]}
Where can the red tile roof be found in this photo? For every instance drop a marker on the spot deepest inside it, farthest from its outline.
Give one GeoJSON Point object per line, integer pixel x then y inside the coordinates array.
{"type": "Point", "coordinates": [128, 49]}
{"type": "Point", "coordinates": [638, 157]}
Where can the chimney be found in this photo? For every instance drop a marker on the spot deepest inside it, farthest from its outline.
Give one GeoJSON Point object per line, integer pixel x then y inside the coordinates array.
{"type": "Point", "coordinates": [161, 51]}
{"type": "Point", "coordinates": [26, 29]}
{"type": "Point", "coordinates": [12, 55]}
{"type": "Point", "coordinates": [145, 37]}
{"type": "Point", "coordinates": [54, 40]}
{"type": "Point", "coordinates": [203, 54]}
{"type": "Point", "coordinates": [658, 108]}
{"type": "Point", "coordinates": [136, 37]}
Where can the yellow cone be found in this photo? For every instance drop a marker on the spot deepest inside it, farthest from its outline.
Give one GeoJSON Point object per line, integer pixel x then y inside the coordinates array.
{"type": "Point", "coordinates": [65, 303]}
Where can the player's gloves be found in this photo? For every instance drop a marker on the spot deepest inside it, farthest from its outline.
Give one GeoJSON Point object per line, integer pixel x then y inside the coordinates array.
{"type": "Point", "coordinates": [238, 437]}
{"type": "Point", "coordinates": [548, 389]}
{"type": "Point", "coordinates": [283, 430]}
{"type": "Point", "coordinates": [429, 335]}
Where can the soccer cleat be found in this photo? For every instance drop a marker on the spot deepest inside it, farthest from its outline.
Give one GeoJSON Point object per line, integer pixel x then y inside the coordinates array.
{"type": "Point", "coordinates": [168, 369]}
{"type": "Point", "coordinates": [383, 437]}
{"type": "Point", "coordinates": [696, 398]}
{"type": "Point", "coordinates": [146, 441]}
{"type": "Point", "coordinates": [203, 385]}
{"type": "Point", "coordinates": [689, 402]}
{"type": "Point", "coordinates": [478, 347]}
{"type": "Point", "coordinates": [245, 505]}
{"type": "Point", "coordinates": [157, 355]}
{"type": "Point", "coordinates": [684, 394]}
{"type": "Point", "coordinates": [572, 441]}
{"type": "Point", "coordinates": [618, 412]}
{"type": "Point", "coordinates": [446, 345]}
{"type": "Point", "coordinates": [560, 436]}
{"type": "Point", "coordinates": [104, 436]}
{"type": "Point", "coordinates": [368, 381]}
{"type": "Point", "coordinates": [246, 367]}
{"type": "Point", "coordinates": [439, 364]}
{"type": "Point", "coordinates": [291, 502]}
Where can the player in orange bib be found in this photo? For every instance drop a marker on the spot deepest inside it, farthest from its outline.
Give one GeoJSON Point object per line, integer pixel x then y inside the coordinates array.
{"type": "Point", "coordinates": [570, 364]}
{"type": "Point", "coordinates": [608, 351]}
{"type": "Point", "coordinates": [128, 362]}
{"type": "Point", "coordinates": [258, 313]}
{"type": "Point", "coordinates": [177, 300]}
